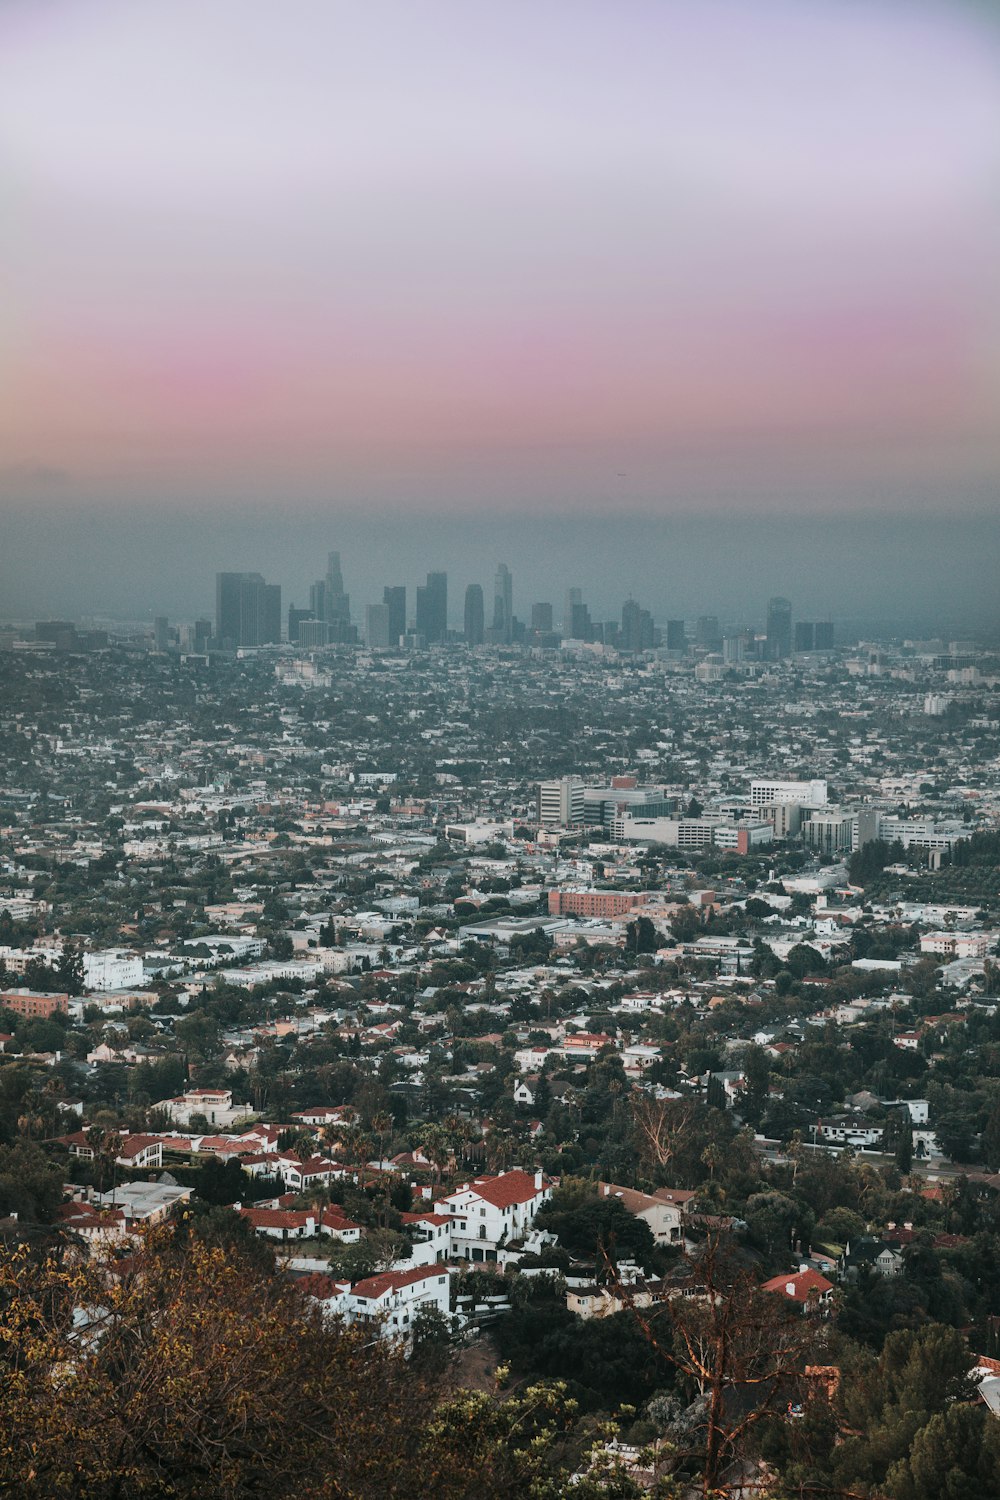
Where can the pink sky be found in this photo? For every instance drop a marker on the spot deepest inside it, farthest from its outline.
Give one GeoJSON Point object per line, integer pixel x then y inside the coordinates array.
{"type": "Point", "coordinates": [558, 254]}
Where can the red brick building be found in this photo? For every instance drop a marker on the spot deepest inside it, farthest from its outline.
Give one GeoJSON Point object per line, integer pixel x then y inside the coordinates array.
{"type": "Point", "coordinates": [34, 1003]}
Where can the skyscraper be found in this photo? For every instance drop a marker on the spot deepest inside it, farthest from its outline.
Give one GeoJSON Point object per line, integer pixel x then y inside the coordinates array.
{"type": "Point", "coordinates": [574, 600]}
{"type": "Point", "coordinates": [779, 629]}
{"type": "Point", "coordinates": [247, 611]}
{"type": "Point", "coordinates": [805, 634]}
{"type": "Point", "coordinates": [395, 598]}
{"type": "Point", "coordinates": [338, 604]}
{"type": "Point", "coordinates": [541, 618]}
{"type": "Point", "coordinates": [377, 630]}
{"type": "Point", "coordinates": [432, 608]}
{"type": "Point", "coordinates": [676, 636]}
{"type": "Point", "coordinates": [636, 632]}
{"type": "Point", "coordinates": [295, 620]}
{"type": "Point", "coordinates": [503, 604]}
{"type": "Point", "coordinates": [474, 622]}
{"type": "Point", "coordinates": [707, 633]}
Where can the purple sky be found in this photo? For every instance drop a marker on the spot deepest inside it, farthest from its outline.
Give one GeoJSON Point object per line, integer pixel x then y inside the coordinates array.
{"type": "Point", "coordinates": [640, 254]}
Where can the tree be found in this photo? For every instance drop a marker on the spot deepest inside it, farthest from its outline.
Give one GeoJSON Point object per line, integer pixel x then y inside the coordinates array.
{"type": "Point", "coordinates": [70, 969]}
{"type": "Point", "coordinates": [641, 936]}
{"type": "Point", "coordinates": [756, 1081]}
{"type": "Point", "coordinates": [955, 1456]}
{"type": "Point", "coordinates": [31, 1185]}
{"type": "Point", "coordinates": [595, 1227]}
{"type": "Point", "coordinates": [160, 1392]}
{"type": "Point", "coordinates": [989, 1143]}
{"type": "Point", "coordinates": [729, 1334]}
{"type": "Point", "coordinates": [889, 1400]}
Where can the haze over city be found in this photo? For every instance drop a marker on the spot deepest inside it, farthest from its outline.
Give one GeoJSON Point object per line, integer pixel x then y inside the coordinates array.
{"type": "Point", "coordinates": [693, 302]}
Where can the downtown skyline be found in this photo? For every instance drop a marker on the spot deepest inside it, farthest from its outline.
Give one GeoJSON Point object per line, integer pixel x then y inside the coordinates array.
{"type": "Point", "coordinates": [705, 296]}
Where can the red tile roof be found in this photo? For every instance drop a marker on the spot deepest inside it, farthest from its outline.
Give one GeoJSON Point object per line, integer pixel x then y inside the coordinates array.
{"type": "Point", "coordinates": [509, 1188]}
{"type": "Point", "coordinates": [802, 1284]}
{"type": "Point", "coordinates": [373, 1287]}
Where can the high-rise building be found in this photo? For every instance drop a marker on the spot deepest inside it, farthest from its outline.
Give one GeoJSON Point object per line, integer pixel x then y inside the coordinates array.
{"type": "Point", "coordinates": [503, 603]}
{"type": "Point", "coordinates": [295, 620]}
{"type": "Point", "coordinates": [676, 636]}
{"type": "Point", "coordinates": [474, 622]}
{"type": "Point", "coordinates": [636, 633]}
{"type": "Point", "coordinates": [779, 629]}
{"type": "Point", "coordinates": [823, 635]}
{"type": "Point", "coordinates": [313, 633]}
{"type": "Point", "coordinates": [432, 608]}
{"type": "Point", "coordinates": [271, 614]}
{"type": "Point", "coordinates": [805, 635]}
{"type": "Point", "coordinates": [574, 601]}
{"type": "Point", "coordinates": [707, 633]}
{"type": "Point", "coordinates": [561, 802]}
{"type": "Point", "coordinates": [395, 597]}
{"type": "Point", "coordinates": [161, 634]}
{"type": "Point", "coordinates": [338, 603]}
{"type": "Point", "coordinates": [377, 627]}
{"type": "Point", "coordinates": [541, 618]}
{"type": "Point", "coordinates": [247, 611]}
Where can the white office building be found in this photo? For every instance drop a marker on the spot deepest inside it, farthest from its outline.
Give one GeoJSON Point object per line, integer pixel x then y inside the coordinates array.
{"type": "Point", "coordinates": [561, 802]}
{"type": "Point", "coordinates": [801, 793]}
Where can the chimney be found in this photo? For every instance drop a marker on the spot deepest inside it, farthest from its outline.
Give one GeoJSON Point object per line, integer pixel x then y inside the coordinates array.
{"type": "Point", "coordinates": [538, 1182]}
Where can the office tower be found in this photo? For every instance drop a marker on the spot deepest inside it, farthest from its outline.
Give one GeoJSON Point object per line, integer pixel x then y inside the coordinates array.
{"type": "Point", "coordinates": [295, 620]}
{"type": "Point", "coordinates": [338, 604]}
{"type": "Point", "coordinates": [503, 603]}
{"type": "Point", "coordinates": [676, 636]}
{"type": "Point", "coordinates": [271, 614]}
{"type": "Point", "coordinates": [395, 598]}
{"type": "Point", "coordinates": [574, 600]}
{"type": "Point", "coordinates": [228, 587]}
{"type": "Point", "coordinates": [732, 649]}
{"type": "Point", "coordinates": [474, 622]}
{"type": "Point", "coordinates": [202, 635]}
{"type": "Point", "coordinates": [541, 618]}
{"type": "Point", "coordinates": [804, 635]}
{"type": "Point", "coordinates": [247, 611]}
{"type": "Point", "coordinates": [160, 633]}
{"type": "Point", "coordinates": [823, 635]}
{"type": "Point", "coordinates": [313, 633]}
{"type": "Point", "coordinates": [779, 629]}
{"type": "Point", "coordinates": [636, 631]}
{"type": "Point", "coordinates": [582, 627]}
{"type": "Point", "coordinates": [561, 803]}
{"type": "Point", "coordinates": [432, 608]}
{"type": "Point", "coordinates": [317, 599]}
{"type": "Point", "coordinates": [707, 633]}
{"type": "Point", "coordinates": [377, 632]}
{"type": "Point", "coordinates": [628, 636]}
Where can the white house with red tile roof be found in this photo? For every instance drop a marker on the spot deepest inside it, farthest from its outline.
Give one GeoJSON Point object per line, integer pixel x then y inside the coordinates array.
{"type": "Point", "coordinates": [664, 1219]}
{"type": "Point", "coordinates": [392, 1299]}
{"type": "Point", "coordinates": [431, 1237]}
{"type": "Point", "coordinates": [315, 1171]}
{"type": "Point", "coordinates": [326, 1114]}
{"type": "Point", "coordinates": [491, 1212]}
{"type": "Point", "coordinates": [806, 1288]}
{"type": "Point", "coordinates": [136, 1150]}
{"type": "Point", "coordinates": [99, 1228]}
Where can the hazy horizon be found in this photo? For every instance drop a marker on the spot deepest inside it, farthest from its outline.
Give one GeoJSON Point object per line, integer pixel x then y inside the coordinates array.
{"type": "Point", "coordinates": [889, 569]}
{"type": "Point", "coordinates": [448, 285]}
